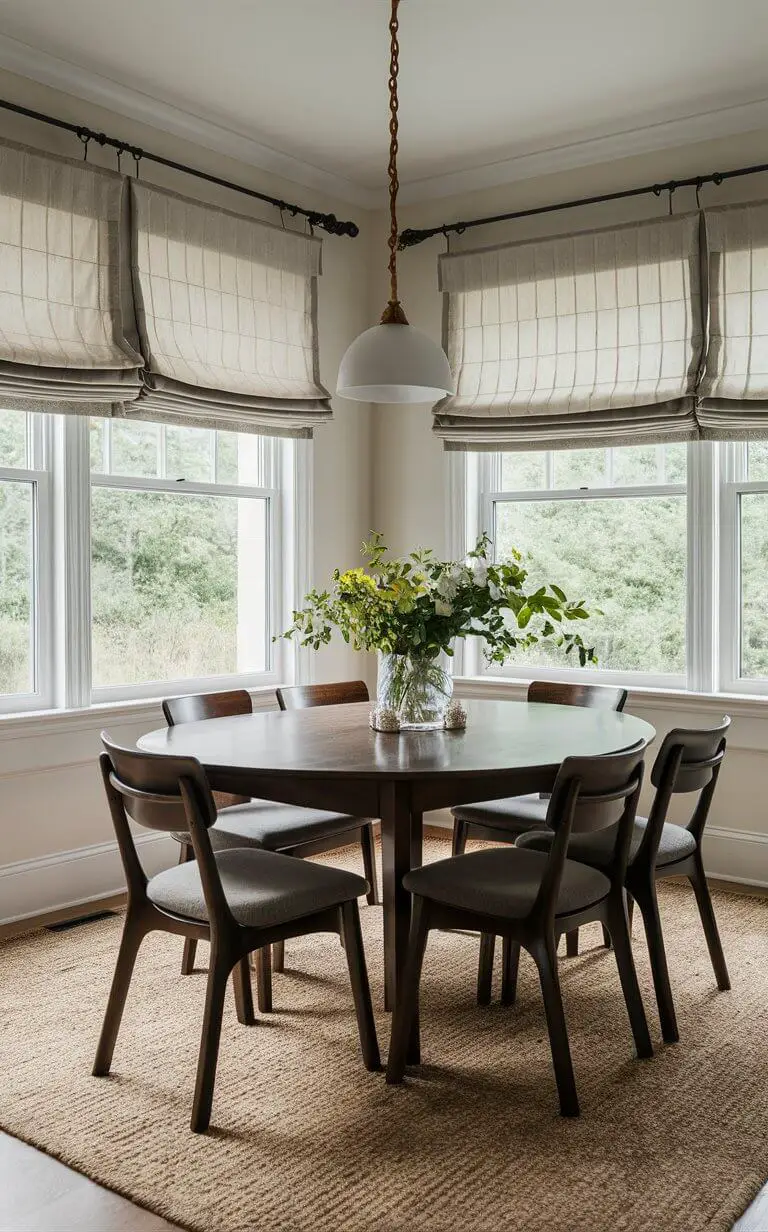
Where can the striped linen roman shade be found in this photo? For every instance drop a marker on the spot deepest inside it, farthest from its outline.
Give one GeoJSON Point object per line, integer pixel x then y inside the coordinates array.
{"type": "Point", "coordinates": [734, 386]}
{"type": "Point", "coordinates": [226, 308]}
{"type": "Point", "coordinates": [66, 339]}
{"type": "Point", "coordinates": [588, 339]}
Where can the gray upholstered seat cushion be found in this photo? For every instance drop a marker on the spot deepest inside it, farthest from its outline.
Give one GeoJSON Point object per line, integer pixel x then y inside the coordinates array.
{"type": "Point", "coordinates": [261, 823]}
{"type": "Point", "coordinates": [504, 882]}
{"type": "Point", "coordinates": [515, 815]}
{"type": "Point", "coordinates": [597, 848]}
{"type": "Point", "coordinates": [262, 888]}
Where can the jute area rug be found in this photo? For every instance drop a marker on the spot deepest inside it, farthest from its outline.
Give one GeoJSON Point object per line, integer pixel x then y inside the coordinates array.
{"type": "Point", "coordinates": [304, 1139]}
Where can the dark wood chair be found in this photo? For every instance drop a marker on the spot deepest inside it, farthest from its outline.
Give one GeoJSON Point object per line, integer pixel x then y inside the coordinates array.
{"type": "Point", "coordinates": [688, 762]}
{"type": "Point", "coordinates": [337, 693]}
{"type": "Point", "coordinates": [239, 900]}
{"type": "Point", "coordinates": [531, 900]}
{"type": "Point", "coordinates": [243, 822]}
{"type": "Point", "coordinates": [501, 821]}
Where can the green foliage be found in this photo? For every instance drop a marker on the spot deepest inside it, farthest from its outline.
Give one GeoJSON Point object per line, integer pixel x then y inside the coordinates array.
{"type": "Point", "coordinates": [420, 605]}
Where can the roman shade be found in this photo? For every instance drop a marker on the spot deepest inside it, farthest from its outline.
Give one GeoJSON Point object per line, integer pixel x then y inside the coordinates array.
{"type": "Point", "coordinates": [227, 318]}
{"type": "Point", "coordinates": [579, 340]}
{"type": "Point", "coordinates": [734, 386]}
{"type": "Point", "coordinates": [65, 342]}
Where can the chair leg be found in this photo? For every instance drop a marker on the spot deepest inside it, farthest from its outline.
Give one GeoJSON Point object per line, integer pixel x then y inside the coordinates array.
{"type": "Point", "coordinates": [368, 844]}
{"type": "Point", "coordinates": [545, 957]}
{"type": "Point", "coordinates": [649, 908]}
{"type": "Point", "coordinates": [241, 980]}
{"type": "Point", "coordinates": [459, 843]}
{"type": "Point", "coordinates": [510, 961]}
{"type": "Point", "coordinates": [572, 943]}
{"type": "Point", "coordinates": [133, 935]}
{"type": "Point", "coordinates": [361, 989]}
{"type": "Point", "coordinates": [264, 979]}
{"type": "Point", "coordinates": [606, 938]}
{"type": "Point", "coordinates": [700, 888]}
{"type": "Point", "coordinates": [618, 929]}
{"type": "Point", "coordinates": [218, 974]}
{"type": "Point", "coordinates": [406, 1014]}
{"type": "Point", "coordinates": [190, 944]}
{"type": "Point", "coordinates": [278, 957]}
{"type": "Point", "coordinates": [485, 968]}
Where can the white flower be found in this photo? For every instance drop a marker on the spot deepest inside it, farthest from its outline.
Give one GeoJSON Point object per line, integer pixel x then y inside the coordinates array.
{"type": "Point", "coordinates": [480, 571]}
{"type": "Point", "coordinates": [446, 587]}
{"type": "Point", "coordinates": [442, 608]}
{"type": "Point", "coordinates": [495, 591]}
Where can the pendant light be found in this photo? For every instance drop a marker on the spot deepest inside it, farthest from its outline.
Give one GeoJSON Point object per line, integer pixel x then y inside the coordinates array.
{"type": "Point", "coordinates": [393, 362]}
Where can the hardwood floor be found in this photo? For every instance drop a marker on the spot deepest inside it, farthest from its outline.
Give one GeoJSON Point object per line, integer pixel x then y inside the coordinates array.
{"type": "Point", "coordinates": [41, 1195]}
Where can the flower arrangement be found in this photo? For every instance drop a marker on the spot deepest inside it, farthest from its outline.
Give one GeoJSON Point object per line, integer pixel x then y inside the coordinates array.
{"type": "Point", "coordinates": [411, 611]}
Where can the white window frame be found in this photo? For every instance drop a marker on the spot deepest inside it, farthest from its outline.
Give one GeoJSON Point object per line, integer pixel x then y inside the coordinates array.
{"type": "Point", "coordinates": [38, 476]}
{"type": "Point", "coordinates": [62, 591]}
{"type": "Point", "coordinates": [716, 477]}
{"type": "Point", "coordinates": [734, 483]}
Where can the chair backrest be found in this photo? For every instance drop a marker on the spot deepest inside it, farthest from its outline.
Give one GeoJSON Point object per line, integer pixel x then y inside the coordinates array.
{"type": "Point", "coordinates": [301, 696]}
{"type": "Point", "coordinates": [688, 761]}
{"type": "Point", "coordinates": [167, 793]}
{"type": "Point", "coordinates": [196, 707]}
{"type": "Point", "coordinates": [595, 696]}
{"type": "Point", "coordinates": [590, 794]}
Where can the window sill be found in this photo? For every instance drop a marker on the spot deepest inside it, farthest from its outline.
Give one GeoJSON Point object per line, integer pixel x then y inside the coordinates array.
{"type": "Point", "coordinates": [25, 723]}
{"type": "Point", "coordinates": [681, 701]}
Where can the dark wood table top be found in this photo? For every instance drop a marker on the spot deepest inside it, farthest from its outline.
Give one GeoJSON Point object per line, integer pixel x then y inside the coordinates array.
{"type": "Point", "coordinates": [330, 741]}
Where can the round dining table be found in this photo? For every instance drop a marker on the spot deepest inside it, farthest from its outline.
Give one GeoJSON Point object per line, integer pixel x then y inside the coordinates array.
{"type": "Point", "coordinates": [329, 758]}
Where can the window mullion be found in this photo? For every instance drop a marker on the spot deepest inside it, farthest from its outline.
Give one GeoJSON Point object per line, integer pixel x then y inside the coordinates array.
{"type": "Point", "coordinates": [702, 571]}
{"type": "Point", "coordinates": [72, 581]}
{"type": "Point", "coordinates": [733, 469]}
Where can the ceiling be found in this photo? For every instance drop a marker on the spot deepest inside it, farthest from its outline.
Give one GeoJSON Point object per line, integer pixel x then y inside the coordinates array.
{"type": "Point", "coordinates": [488, 87]}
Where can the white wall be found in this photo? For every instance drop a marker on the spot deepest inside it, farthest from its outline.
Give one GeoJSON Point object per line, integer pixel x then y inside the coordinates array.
{"type": "Point", "coordinates": [51, 798]}
{"type": "Point", "coordinates": [378, 469]}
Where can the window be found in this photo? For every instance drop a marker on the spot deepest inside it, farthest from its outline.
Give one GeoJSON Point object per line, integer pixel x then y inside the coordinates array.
{"type": "Point", "coordinates": [171, 566]}
{"type": "Point", "coordinates": [670, 542]}
{"type": "Point", "coordinates": [24, 574]}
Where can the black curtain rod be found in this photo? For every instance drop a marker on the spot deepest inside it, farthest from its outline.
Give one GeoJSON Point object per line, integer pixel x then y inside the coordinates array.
{"type": "Point", "coordinates": [328, 222]}
{"type": "Point", "coordinates": [412, 236]}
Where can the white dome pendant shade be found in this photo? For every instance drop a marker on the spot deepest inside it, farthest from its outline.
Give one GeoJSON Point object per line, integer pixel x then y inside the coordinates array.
{"type": "Point", "coordinates": [394, 363]}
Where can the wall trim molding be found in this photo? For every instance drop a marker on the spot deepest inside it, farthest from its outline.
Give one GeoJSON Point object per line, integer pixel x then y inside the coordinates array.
{"type": "Point", "coordinates": [590, 150]}
{"type": "Point", "coordinates": [91, 87]}
{"type": "Point", "coordinates": [70, 878]}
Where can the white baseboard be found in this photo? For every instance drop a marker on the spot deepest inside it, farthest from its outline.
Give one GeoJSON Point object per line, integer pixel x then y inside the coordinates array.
{"type": "Point", "coordinates": [70, 878]}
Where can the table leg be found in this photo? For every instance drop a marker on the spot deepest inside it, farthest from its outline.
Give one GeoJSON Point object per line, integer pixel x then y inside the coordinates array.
{"type": "Point", "coordinates": [396, 855]}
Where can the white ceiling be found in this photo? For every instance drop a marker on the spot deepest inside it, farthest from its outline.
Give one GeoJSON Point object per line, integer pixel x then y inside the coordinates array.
{"type": "Point", "coordinates": [485, 85]}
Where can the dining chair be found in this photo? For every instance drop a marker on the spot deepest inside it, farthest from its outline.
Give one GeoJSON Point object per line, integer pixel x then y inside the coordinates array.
{"type": "Point", "coordinates": [237, 899]}
{"type": "Point", "coordinates": [530, 898]}
{"type": "Point", "coordinates": [501, 821]}
{"type": "Point", "coordinates": [243, 822]}
{"type": "Point", "coordinates": [688, 763]}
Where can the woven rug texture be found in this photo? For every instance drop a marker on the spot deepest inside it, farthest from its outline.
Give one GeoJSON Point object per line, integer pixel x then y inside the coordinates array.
{"type": "Point", "coordinates": [304, 1140]}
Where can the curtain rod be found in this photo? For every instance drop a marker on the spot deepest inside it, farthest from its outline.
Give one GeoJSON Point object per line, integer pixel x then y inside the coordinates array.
{"type": "Point", "coordinates": [412, 236]}
{"type": "Point", "coordinates": [328, 222]}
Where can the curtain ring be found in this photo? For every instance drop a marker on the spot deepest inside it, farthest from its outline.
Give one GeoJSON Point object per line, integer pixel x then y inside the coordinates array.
{"type": "Point", "coordinates": [136, 156]}
{"type": "Point", "coordinates": [671, 191]}
{"type": "Point", "coordinates": [120, 152]}
{"type": "Point", "coordinates": [85, 138]}
{"type": "Point", "coordinates": [282, 216]}
{"type": "Point", "coordinates": [699, 186]}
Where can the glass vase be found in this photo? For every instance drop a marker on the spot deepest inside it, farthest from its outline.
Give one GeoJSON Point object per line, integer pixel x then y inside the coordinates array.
{"type": "Point", "coordinates": [416, 687]}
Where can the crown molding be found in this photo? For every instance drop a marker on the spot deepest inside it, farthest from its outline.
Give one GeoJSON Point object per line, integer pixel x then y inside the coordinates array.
{"type": "Point", "coordinates": [589, 149]}
{"type": "Point", "coordinates": [20, 58]}
{"type": "Point", "coordinates": [593, 149]}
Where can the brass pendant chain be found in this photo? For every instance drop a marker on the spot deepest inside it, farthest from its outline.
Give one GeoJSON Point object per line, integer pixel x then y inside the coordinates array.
{"type": "Point", "coordinates": [393, 314]}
